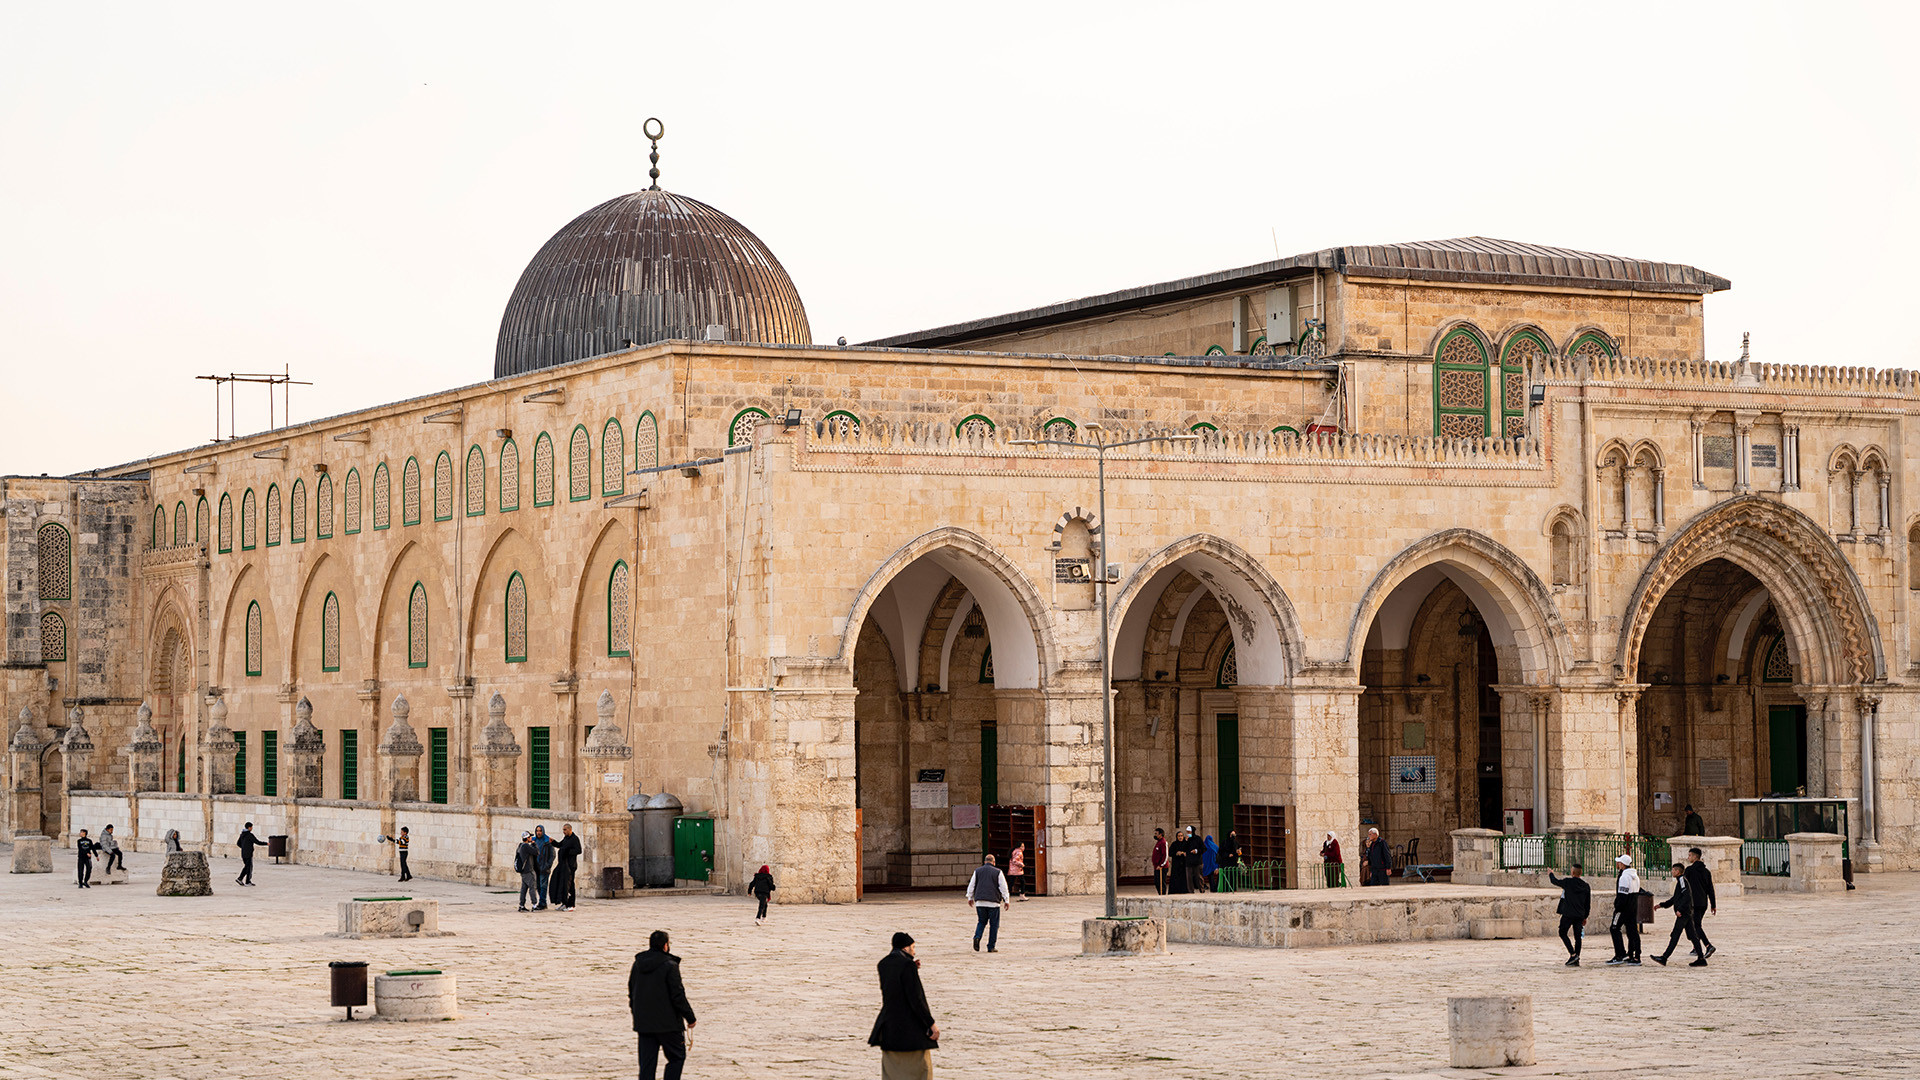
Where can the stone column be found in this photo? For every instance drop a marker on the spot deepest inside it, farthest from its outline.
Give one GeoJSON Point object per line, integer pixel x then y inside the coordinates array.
{"type": "Point", "coordinates": [1743, 453]}
{"type": "Point", "coordinates": [792, 798]}
{"type": "Point", "coordinates": [1067, 718]}
{"type": "Point", "coordinates": [1659, 501]}
{"type": "Point", "coordinates": [1789, 455]}
{"type": "Point", "coordinates": [1813, 860]}
{"type": "Point", "coordinates": [604, 817]}
{"type": "Point", "coordinates": [220, 749]}
{"type": "Point", "coordinates": [400, 754]}
{"type": "Point", "coordinates": [24, 752]}
{"type": "Point", "coordinates": [144, 753]}
{"type": "Point", "coordinates": [1816, 739]}
{"type": "Point", "coordinates": [1325, 763]}
{"type": "Point", "coordinates": [306, 754]}
{"type": "Point", "coordinates": [76, 747]}
{"type": "Point", "coordinates": [1476, 855]}
{"type": "Point", "coordinates": [497, 759]}
{"type": "Point", "coordinates": [1699, 453]}
{"type": "Point", "coordinates": [1592, 768]}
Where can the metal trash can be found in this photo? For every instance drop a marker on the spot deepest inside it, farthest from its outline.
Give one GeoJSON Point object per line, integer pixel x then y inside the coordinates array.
{"type": "Point", "coordinates": [349, 983]}
{"type": "Point", "coordinates": [612, 878]}
{"type": "Point", "coordinates": [656, 830]}
{"type": "Point", "coordinates": [1646, 908]}
{"type": "Point", "coordinates": [636, 851]}
{"type": "Point", "coordinates": [277, 847]}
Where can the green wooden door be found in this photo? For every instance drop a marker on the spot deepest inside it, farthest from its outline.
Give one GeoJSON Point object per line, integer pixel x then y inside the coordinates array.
{"type": "Point", "coordinates": [1787, 746]}
{"type": "Point", "coordinates": [1227, 739]}
{"type": "Point", "coordinates": [539, 768]}
{"type": "Point", "coordinates": [349, 763]}
{"type": "Point", "coordinates": [692, 848]}
{"type": "Point", "coordinates": [240, 763]}
{"type": "Point", "coordinates": [269, 763]}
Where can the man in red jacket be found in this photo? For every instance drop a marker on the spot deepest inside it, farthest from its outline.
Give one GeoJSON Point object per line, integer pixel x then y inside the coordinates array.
{"type": "Point", "coordinates": [1161, 868]}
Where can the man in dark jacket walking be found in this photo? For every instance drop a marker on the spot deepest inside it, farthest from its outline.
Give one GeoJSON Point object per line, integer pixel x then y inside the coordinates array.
{"type": "Point", "coordinates": [1576, 903]}
{"type": "Point", "coordinates": [543, 852]}
{"type": "Point", "coordinates": [905, 1030]}
{"type": "Point", "coordinates": [247, 843]}
{"type": "Point", "coordinates": [86, 847]}
{"type": "Point", "coordinates": [1700, 891]}
{"type": "Point", "coordinates": [659, 1005]}
{"type": "Point", "coordinates": [1378, 859]}
{"type": "Point", "coordinates": [566, 861]}
{"type": "Point", "coordinates": [1682, 904]}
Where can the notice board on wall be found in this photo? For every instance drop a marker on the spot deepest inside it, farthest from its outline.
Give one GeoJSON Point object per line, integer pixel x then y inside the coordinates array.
{"type": "Point", "coordinates": [1411, 775]}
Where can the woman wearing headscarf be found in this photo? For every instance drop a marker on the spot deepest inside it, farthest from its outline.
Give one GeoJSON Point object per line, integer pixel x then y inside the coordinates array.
{"type": "Point", "coordinates": [1209, 861]}
{"type": "Point", "coordinates": [1017, 868]}
{"type": "Point", "coordinates": [1177, 858]}
{"type": "Point", "coordinates": [1330, 860]}
{"type": "Point", "coordinates": [762, 886]}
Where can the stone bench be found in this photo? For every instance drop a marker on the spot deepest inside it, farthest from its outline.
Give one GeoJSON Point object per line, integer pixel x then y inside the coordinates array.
{"type": "Point", "coordinates": [415, 995]}
{"type": "Point", "coordinates": [1127, 935]}
{"type": "Point", "coordinates": [32, 854]}
{"type": "Point", "coordinates": [116, 876]}
{"type": "Point", "coordinates": [389, 916]}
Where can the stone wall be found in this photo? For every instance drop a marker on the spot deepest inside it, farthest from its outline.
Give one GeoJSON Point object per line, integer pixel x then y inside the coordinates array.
{"type": "Point", "coordinates": [1347, 916]}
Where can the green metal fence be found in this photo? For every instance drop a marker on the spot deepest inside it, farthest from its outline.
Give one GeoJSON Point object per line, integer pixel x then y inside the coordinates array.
{"type": "Point", "coordinates": [1596, 853]}
{"type": "Point", "coordinates": [1767, 858]}
{"type": "Point", "coordinates": [1251, 876]}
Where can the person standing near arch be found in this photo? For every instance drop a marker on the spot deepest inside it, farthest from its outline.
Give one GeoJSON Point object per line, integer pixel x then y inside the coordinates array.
{"type": "Point", "coordinates": [1162, 866]}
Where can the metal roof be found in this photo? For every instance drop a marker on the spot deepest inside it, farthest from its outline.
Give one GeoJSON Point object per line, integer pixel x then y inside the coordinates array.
{"type": "Point", "coordinates": [1470, 259]}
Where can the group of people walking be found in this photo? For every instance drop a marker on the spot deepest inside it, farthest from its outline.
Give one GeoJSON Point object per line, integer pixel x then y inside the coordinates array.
{"type": "Point", "coordinates": [547, 867]}
{"type": "Point", "coordinates": [1692, 901]}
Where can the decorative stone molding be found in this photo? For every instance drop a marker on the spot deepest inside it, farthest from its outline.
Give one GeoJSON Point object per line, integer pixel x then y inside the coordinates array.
{"type": "Point", "coordinates": [306, 754]}
{"type": "Point", "coordinates": [401, 750]}
{"type": "Point", "coordinates": [144, 751]}
{"type": "Point", "coordinates": [221, 746]}
{"type": "Point", "coordinates": [607, 741]}
{"type": "Point", "coordinates": [496, 738]}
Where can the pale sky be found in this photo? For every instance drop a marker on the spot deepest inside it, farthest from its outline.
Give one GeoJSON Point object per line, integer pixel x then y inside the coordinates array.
{"type": "Point", "coordinates": [351, 191]}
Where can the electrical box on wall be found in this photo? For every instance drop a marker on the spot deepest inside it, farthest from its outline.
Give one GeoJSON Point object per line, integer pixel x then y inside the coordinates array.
{"type": "Point", "coordinates": [1279, 317]}
{"type": "Point", "coordinates": [1517, 822]}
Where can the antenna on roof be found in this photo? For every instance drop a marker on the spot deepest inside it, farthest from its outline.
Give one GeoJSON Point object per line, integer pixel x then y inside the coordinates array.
{"type": "Point", "coordinates": [654, 130]}
{"type": "Point", "coordinates": [1744, 336]}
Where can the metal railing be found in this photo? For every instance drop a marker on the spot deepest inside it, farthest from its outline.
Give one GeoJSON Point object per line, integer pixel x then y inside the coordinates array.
{"type": "Point", "coordinates": [1766, 858]}
{"type": "Point", "coordinates": [1251, 876]}
{"type": "Point", "coordinates": [1596, 853]}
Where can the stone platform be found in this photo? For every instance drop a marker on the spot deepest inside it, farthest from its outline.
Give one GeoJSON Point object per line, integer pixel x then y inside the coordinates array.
{"type": "Point", "coordinates": [1295, 918]}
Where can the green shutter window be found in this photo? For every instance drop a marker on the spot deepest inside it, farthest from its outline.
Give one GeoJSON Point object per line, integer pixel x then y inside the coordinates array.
{"type": "Point", "coordinates": [437, 757]}
{"type": "Point", "coordinates": [989, 765]}
{"type": "Point", "coordinates": [269, 763]}
{"type": "Point", "coordinates": [349, 764]}
{"type": "Point", "coordinates": [539, 767]}
{"type": "Point", "coordinates": [1227, 736]}
{"type": "Point", "coordinates": [239, 763]}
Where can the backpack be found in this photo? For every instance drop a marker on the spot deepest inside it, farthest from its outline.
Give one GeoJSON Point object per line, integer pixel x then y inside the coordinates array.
{"type": "Point", "coordinates": [523, 859]}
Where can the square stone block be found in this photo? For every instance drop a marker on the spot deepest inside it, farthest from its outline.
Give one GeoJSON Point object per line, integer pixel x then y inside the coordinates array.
{"type": "Point", "coordinates": [32, 855]}
{"type": "Point", "coordinates": [389, 917]}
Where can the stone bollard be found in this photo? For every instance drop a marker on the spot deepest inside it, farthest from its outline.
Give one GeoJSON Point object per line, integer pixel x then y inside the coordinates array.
{"type": "Point", "coordinates": [1721, 854]}
{"type": "Point", "coordinates": [1138, 936]}
{"type": "Point", "coordinates": [395, 916]}
{"type": "Point", "coordinates": [1476, 855]}
{"type": "Point", "coordinates": [1813, 862]}
{"type": "Point", "coordinates": [415, 995]}
{"type": "Point", "coordinates": [32, 854]}
{"type": "Point", "coordinates": [1492, 1031]}
{"type": "Point", "coordinates": [185, 874]}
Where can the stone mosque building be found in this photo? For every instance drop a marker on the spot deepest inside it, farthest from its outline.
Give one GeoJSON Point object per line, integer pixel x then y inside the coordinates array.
{"type": "Point", "coordinates": [1472, 529]}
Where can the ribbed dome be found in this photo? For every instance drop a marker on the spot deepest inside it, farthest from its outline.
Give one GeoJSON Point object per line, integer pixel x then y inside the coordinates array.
{"type": "Point", "coordinates": [642, 268]}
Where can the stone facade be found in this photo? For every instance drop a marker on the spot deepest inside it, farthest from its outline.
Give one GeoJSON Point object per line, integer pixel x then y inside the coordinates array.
{"type": "Point", "coordinates": [849, 637]}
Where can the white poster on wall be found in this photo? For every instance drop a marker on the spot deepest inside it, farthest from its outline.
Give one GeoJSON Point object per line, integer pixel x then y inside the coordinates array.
{"type": "Point", "coordinates": [928, 796]}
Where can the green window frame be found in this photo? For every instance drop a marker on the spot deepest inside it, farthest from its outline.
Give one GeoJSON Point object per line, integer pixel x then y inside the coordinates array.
{"type": "Point", "coordinates": [239, 763]}
{"type": "Point", "coordinates": [1072, 433]}
{"type": "Point", "coordinates": [539, 767]}
{"type": "Point", "coordinates": [509, 469]}
{"type": "Point", "coordinates": [579, 464]}
{"type": "Point", "coordinates": [1203, 426]}
{"type": "Point", "coordinates": [409, 493]}
{"type": "Point", "coordinates": [437, 765]}
{"type": "Point", "coordinates": [476, 492]}
{"type": "Point", "coordinates": [960, 429]}
{"type": "Point", "coordinates": [620, 609]}
{"type": "Point", "coordinates": [255, 643]}
{"type": "Point", "coordinates": [613, 457]}
{"type": "Point", "coordinates": [201, 524]}
{"type": "Point", "coordinates": [323, 507]}
{"type": "Point", "coordinates": [1460, 358]}
{"type": "Point", "coordinates": [226, 522]}
{"type": "Point", "coordinates": [514, 616]}
{"type": "Point", "coordinates": [1215, 350]}
{"type": "Point", "coordinates": [646, 441]}
{"type": "Point", "coordinates": [179, 522]}
{"type": "Point", "coordinates": [1593, 338]}
{"type": "Point", "coordinates": [274, 522]}
{"type": "Point", "coordinates": [330, 633]}
{"type": "Point", "coordinates": [159, 526]}
{"type": "Point", "coordinates": [417, 640]}
{"type": "Point", "coordinates": [297, 513]}
{"type": "Point", "coordinates": [737, 437]}
{"type": "Point", "coordinates": [1285, 429]}
{"type": "Point", "coordinates": [249, 522]}
{"type": "Point", "coordinates": [270, 763]}
{"type": "Point", "coordinates": [349, 763]}
{"type": "Point", "coordinates": [353, 505]}
{"type": "Point", "coordinates": [383, 497]}
{"type": "Point", "coordinates": [1513, 380]}
{"type": "Point", "coordinates": [543, 469]}
{"type": "Point", "coordinates": [443, 487]}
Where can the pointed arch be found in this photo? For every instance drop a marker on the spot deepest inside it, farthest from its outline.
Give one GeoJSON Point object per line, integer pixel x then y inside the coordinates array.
{"type": "Point", "coordinates": [226, 522]}
{"type": "Point", "coordinates": [323, 506]}
{"type": "Point", "coordinates": [579, 464]}
{"type": "Point", "coordinates": [418, 643]}
{"type": "Point", "coordinates": [443, 487]}
{"type": "Point", "coordinates": [613, 457]}
{"type": "Point", "coordinates": [543, 470]}
{"type": "Point", "coordinates": [383, 495]}
{"type": "Point", "coordinates": [409, 493]}
{"type": "Point", "coordinates": [646, 441]}
{"type": "Point", "coordinates": [297, 513]}
{"type": "Point", "coordinates": [179, 523]}
{"type": "Point", "coordinates": [157, 538]}
{"type": "Point", "coordinates": [1265, 626]}
{"type": "Point", "coordinates": [1463, 384]}
{"type": "Point", "coordinates": [585, 645]}
{"type": "Point", "coordinates": [620, 610]}
{"type": "Point", "coordinates": [740, 428]}
{"type": "Point", "coordinates": [249, 522]}
{"type": "Point", "coordinates": [412, 563]}
{"type": "Point", "coordinates": [476, 483]}
{"type": "Point", "coordinates": [515, 619]}
{"type": "Point", "coordinates": [509, 497]}
{"type": "Point", "coordinates": [202, 528]}
{"type": "Point", "coordinates": [273, 515]}
{"type": "Point", "coordinates": [330, 633]}
{"type": "Point", "coordinates": [1593, 343]}
{"type": "Point", "coordinates": [256, 654]}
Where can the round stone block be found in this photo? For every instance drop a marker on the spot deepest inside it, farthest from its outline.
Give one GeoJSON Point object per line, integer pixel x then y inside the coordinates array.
{"type": "Point", "coordinates": [185, 874]}
{"type": "Point", "coordinates": [1491, 1031]}
{"type": "Point", "coordinates": [1134, 935]}
{"type": "Point", "coordinates": [415, 995]}
{"type": "Point", "coordinates": [32, 854]}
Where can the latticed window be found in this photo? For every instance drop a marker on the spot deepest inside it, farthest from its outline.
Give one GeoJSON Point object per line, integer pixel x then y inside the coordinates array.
{"type": "Point", "coordinates": [330, 633]}
{"type": "Point", "coordinates": [53, 637]}
{"type": "Point", "coordinates": [417, 627]}
{"type": "Point", "coordinates": [1524, 352]}
{"type": "Point", "coordinates": [256, 646]}
{"type": "Point", "coordinates": [579, 465]}
{"type": "Point", "coordinates": [249, 521]}
{"type": "Point", "coordinates": [409, 494]}
{"type": "Point", "coordinates": [297, 513]}
{"type": "Point", "coordinates": [1591, 345]}
{"type": "Point", "coordinates": [613, 459]}
{"type": "Point", "coordinates": [1229, 669]}
{"type": "Point", "coordinates": [200, 513]}
{"type": "Point", "coordinates": [1461, 387]}
{"type": "Point", "coordinates": [841, 424]}
{"type": "Point", "coordinates": [1779, 665]}
{"type": "Point", "coordinates": [158, 538]}
{"type": "Point", "coordinates": [323, 507]}
{"type": "Point", "coordinates": [619, 610]}
{"type": "Point", "coordinates": [476, 481]}
{"type": "Point", "coordinates": [226, 522]}
{"type": "Point", "coordinates": [646, 442]}
{"type": "Point", "coordinates": [543, 470]}
{"type": "Point", "coordinates": [1062, 429]}
{"type": "Point", "coordinates": [383, 496]}
{"type": "Point", "coordinates": [974, 427]}
{"type": "Point", "coordinates": [986, 666]}
{"type": "Point", "coordinates": [179, 523]}
{"type": "Point", "coordinates": [350, 495]}
{"type": "Point", "coordinates": [740, 432]}
{"type": "Point", "coordinates": [509, 475]}
{"type": "Point", "coordinates": [443, 487]}
{"type": "Point", "coordinates": [273, 515]}
{"type": "Point", "coordinates": [516, 619]}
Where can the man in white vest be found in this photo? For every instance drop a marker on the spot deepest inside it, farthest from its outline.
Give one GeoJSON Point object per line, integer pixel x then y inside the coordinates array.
{"type": "Point", "coordinates": [987, 893]}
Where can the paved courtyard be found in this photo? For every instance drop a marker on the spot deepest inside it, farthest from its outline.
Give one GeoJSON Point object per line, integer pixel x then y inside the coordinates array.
{"type": "Point", "coordinates": [118, 982]}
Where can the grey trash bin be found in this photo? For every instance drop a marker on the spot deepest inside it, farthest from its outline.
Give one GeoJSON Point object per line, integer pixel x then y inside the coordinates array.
{"type": "Point", "coordinates": [636, 850]}
{"type": "Point", "coordinates": [656, 830]}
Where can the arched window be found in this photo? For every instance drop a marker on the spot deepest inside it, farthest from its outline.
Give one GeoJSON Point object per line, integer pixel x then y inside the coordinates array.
{"type": "Point", "coordinates": [179, 523]}
{"type": "Point", "coordinates": [1592, 344]}
{"type": "Point", "coordinates": [200, 515]}
{"type": "Point", "coordinates": [579, 465]}
{"type": "Point", "coordinates": [256, 647]}
{"type": "Point", "coordinates": [273, 515]}
{"type": "Point", "coordinates": [53, 638]}
{"type": "Point", "coordinates": [1229, 673]}
{"type": "Point", "coordinates": [841, 424]}
{"type": "Point", "coordinates": [516, 619]}
{"type": "Point", "coordinates": [986, 666]}
{"type": "Point", "coordinates": [740, 431]}
{"type": "Point", "coordinates": [1564, 565]}
{"type": "Point", "coordinates": [323, 506]}
{"type": "Point", "coordinates": [620, 611]}
{"type": "Point", "coordinates": [158, 538]}
{"type": "Point", "coordinates": [1779, 665]}
{"type": "Point", "coordinates": [509, 476]}
{"type": "Point", "coordinates": [1461, 387]}
{"type": "Point", "coordinates": [1203, 427]}
{"type": "Point", "coordinates": [330, 633]}
{"type": "Point", "coordinates": [226, 522]}
{"type": "Point", "coordinates": [1062, 429]}
{"type": "Point", "coordinates": [646, 442]}
{"type": "Point", "coordinates": [1913, 557]}
{"type": "Point", "coordinates": [974, 427]}
{"type": "Point", "coordinates": [543, 470]}
{"type": "Point", "coordinates": [443, 487]}
{"type": "Point", "coordinates": [409, 494]}
{"type": "Point", "coordinates": [383, 496]}
{"type": "Point", "coordinates": [1523, 351]}
{"type": "Point", "coordinates": [613, 459]}
{"type": "Point", "coordinates": [476, 481]}
{"type": "Point", "coordinates": [297, 513]}
{"type": "Point", "coordinates": [249, 521]}
{"type": "Point", "coordinates": [417, 626]}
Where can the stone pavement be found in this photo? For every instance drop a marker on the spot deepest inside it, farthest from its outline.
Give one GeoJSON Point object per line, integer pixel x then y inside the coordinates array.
{"type": "Point", "coordinates": [117, 982]}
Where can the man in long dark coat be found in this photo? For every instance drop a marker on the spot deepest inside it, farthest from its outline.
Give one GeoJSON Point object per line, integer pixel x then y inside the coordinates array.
{"type": "Point", "coordinates": [905, 1030]}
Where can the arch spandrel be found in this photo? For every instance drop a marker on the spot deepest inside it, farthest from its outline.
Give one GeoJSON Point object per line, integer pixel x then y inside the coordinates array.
{"type": "Point", "coordinates": [1814, 589]}
{"type": "Point", "coordinates": [1266, 629]}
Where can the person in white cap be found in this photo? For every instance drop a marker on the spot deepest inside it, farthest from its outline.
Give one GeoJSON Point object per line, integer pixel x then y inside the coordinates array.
{"type": "Point", "coordinates": [1626, 914]}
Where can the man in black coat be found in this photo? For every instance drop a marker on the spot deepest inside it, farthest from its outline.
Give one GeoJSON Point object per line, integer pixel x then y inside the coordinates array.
{"type": "Point", "coordinates": [905, 1030]}
{"type": "Point", "coordinates": [659, 1005]}
{"type": "Point", "coordinates": [247, 843]}
{"type": "Point", "coordinates": [566, 860]}
{"type": "Point", "coordinates": [1378, 859]}
{"type": "Point", "coordinates": [1700, 891]}
{"type": "Point", "coordinates": [87, 848]}
{"type": "Point", "coordinates": [1576, 903]}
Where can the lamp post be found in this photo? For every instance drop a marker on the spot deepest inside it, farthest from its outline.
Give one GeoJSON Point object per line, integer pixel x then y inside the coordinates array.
{"type": "Point", "coordinates": [1106, 660]}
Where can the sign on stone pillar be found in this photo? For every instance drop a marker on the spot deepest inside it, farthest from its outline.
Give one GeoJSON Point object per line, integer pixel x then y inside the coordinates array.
{"type": "Point", "coordinates": [605, 819]}
{"type": "Point", "coordinates": [499, 757]}
{"type": "Point", "coordinates": [220, 750]}
{"type": "Point", "coordinates": [144, 752]}
{"type": "Point", "coordinates": [306, 754]}
{"type": "Point", "coordinates": [400, 754]}
{"type": "Point", "coordinates": [24, 750]}
{"type": "Point", "coordinates": [77, 748]}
